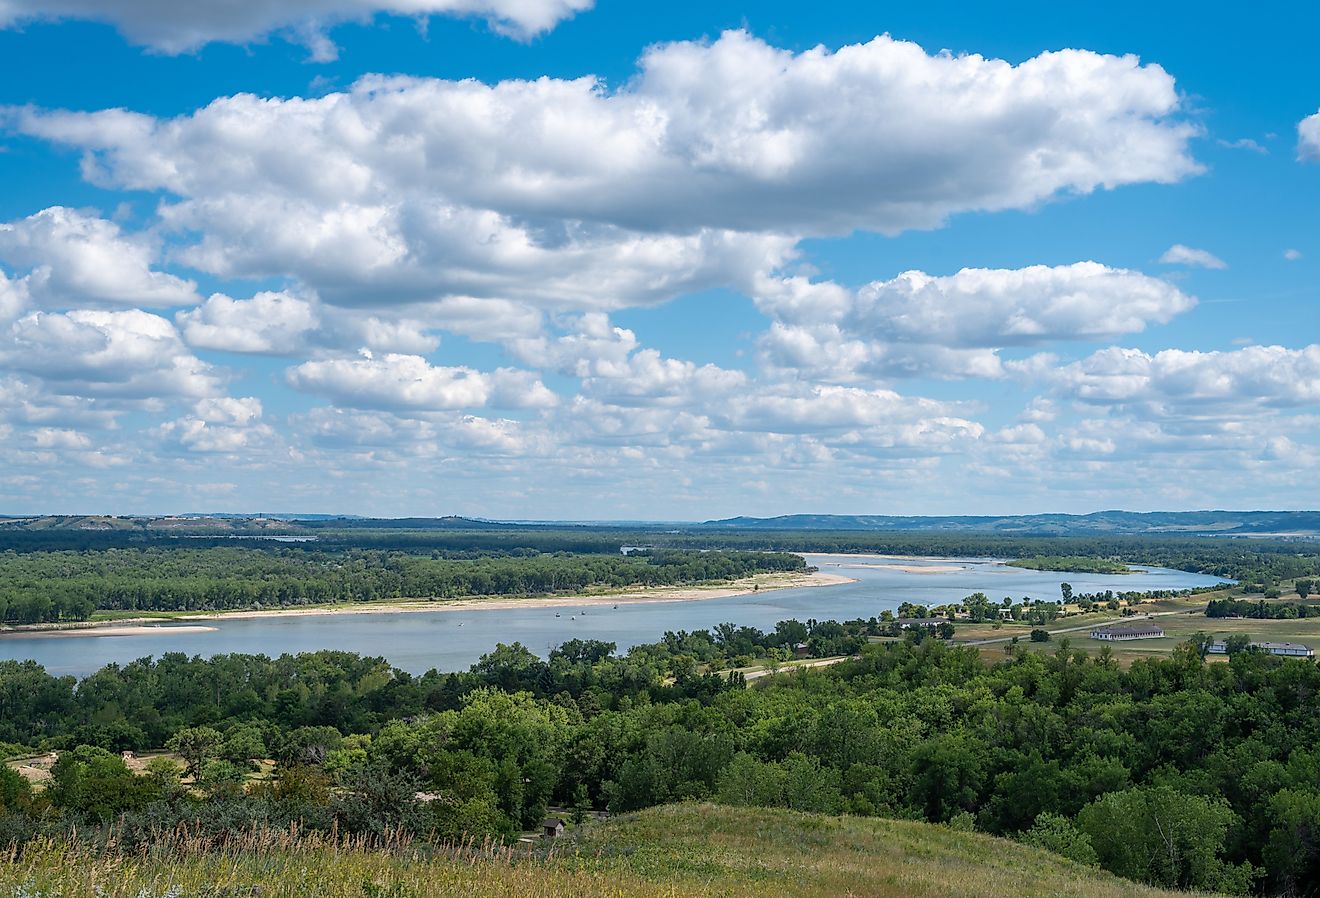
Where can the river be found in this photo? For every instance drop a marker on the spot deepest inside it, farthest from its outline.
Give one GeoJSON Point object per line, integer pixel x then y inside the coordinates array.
{"type": "Point", "coordinates": [453, 640]}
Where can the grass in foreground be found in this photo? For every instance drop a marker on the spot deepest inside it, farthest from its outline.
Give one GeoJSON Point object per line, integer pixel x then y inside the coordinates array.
{"type": "Point", "coordinates": [685, 850]}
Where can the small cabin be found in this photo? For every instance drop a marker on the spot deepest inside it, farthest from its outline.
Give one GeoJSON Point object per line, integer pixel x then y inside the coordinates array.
{"type": "Point", "coordinates": [802, 650]}
{"type": "Point", "coordinates": [553, 827]}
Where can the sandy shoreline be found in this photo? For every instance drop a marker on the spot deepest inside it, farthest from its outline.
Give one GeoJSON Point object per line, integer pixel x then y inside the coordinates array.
{"type": "Point", "coordinates": [110, 629]}
{"type": "Point", "coordinates": [151, 626]}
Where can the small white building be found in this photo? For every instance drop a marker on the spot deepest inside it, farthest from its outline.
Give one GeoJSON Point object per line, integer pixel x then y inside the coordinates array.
{"type": "Point", "coordinates": [1125, 632]}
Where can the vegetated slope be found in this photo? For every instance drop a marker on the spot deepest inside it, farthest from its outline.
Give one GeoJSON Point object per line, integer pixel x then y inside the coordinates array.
{"type": "Point", "coordinates": [701, 849]}
{"type": "Point", "coordinates": [687, 850]}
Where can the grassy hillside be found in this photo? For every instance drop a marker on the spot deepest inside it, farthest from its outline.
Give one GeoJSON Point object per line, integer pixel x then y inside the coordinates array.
{"type": "Point", "coordinates": [688, 850]}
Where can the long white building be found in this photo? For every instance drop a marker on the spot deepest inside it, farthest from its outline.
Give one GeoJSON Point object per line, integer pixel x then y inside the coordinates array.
{"type": "Point", "coordinates": [1124, 632]}
{"type": "Point", "coordinates": [1287, 649]}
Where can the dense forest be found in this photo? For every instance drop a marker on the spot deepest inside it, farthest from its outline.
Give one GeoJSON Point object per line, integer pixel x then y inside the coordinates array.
{"type": "Point", "coordinates": [69, 586]}
{"type": "Point", "coordinates": [1177, 772]}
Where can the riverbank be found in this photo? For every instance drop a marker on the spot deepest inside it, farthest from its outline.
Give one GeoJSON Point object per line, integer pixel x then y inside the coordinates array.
{"type": "Point", "coordinates": [145, 625]}
{"type": "Point", "coordinates": [126, 628]}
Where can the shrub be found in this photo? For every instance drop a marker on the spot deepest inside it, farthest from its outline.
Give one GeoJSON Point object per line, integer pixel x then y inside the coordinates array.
{"type": "Point", "coordinates": [1058, 834]}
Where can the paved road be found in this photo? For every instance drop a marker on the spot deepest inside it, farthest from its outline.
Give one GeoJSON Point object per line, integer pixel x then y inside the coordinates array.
{"type": "Point", "coordinates": [789, 668]}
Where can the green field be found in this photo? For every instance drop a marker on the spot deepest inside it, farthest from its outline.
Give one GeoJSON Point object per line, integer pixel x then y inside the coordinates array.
{"type": "Point", "coordinates": [1178, 627]}
{"type": "Point", "coordinates": [669, 852]}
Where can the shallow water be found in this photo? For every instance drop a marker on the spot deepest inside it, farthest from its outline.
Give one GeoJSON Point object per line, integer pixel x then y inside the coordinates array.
{"type": "Point", "coordinates": [453, 640]}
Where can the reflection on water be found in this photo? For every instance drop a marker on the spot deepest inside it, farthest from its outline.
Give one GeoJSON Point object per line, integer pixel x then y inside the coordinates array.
{"type": "Point", "coordinates": [453, 640]}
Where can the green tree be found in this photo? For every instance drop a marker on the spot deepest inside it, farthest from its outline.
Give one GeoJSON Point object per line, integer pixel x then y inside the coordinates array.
{"type": "Point", "coordinates": [1058, 834]}
{"type": "Point", "coordinates": [581, 804]}
{"type": "Point", "coordinates": [949, 771]}
{"type": "Point", "coordinates": [808, 786]}
{"type": "Point", "coordinates": [1200, 644]}
{"type": "Point", "coordinates": [243, 746]}
{"type": "Point", "coordinates": [1164, 837]}
{"type": "Point", "coordinates": [91, 782]}
{"type": "Point", "coordinates": [1292, 849]}
{"type": "Point", "coordinates": [1237, 642]}
{"type": "Point", "coordinates": [747, 782]}
{"type": "Point", "coordinates": [15, 791]}
{"type": "Point", "coordinates": [164, 774]}
{"type": "Point", "coordinates": [222, 779]}
{"type": "Point", "coordinates": [196, 745]}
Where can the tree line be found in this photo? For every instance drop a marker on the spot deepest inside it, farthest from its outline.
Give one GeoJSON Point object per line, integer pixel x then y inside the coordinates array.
{"type": "Point", "coordinates": [1261, 562]}
{"type": "Point", "coordinates": [70, 586]}
{"type": "Point", "coordinates": [1260, 609]}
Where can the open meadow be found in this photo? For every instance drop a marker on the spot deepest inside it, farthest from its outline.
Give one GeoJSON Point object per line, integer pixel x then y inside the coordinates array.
{"type": "Point", "coordinates": [666, 852]}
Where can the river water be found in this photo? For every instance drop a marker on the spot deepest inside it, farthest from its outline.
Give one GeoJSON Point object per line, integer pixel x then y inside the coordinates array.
{"type": "Point", "coordinates": [453, 640]}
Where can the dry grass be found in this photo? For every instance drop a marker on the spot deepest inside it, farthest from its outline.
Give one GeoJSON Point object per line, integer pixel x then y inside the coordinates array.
{"type": "Point", "coordinates": [688, 850]}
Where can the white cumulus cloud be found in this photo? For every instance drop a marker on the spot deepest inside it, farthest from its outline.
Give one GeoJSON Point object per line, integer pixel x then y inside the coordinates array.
{"type": "Point", "coordinates": [1255, 376]}
{"type": "Point", "coordinates": [90, 352]}
{"type": "Point", "coordinates": [1178, 254]}
{"type": "Point", "coordinates": [1308, 138]}
{"type": "Point", "coordinates": [919, 323]}
{"type": "Point", "coordinates": [396, 381]}
{"type": "Point", "coordinates": [179, 27]}
{"type": "Point", "coordinates": [703, 171]}
{"type": "Point", "coordinates": [220, 424]}
{"type": "Point", "coordinates": [274, 323]}
{"type": "Point", "coordinates": [69, 258]}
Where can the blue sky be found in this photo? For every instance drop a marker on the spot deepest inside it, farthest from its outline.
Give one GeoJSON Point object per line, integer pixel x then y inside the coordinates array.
{"type": "Point", "coordinates": [406, 257]}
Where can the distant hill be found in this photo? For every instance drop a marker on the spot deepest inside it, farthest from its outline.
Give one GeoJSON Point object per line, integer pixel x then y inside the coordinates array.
{"type": "Point", "coordinates": [1191, 523]}
{"type": "Point", "coordinates": [218, 524]}
{"type": "Point", "coordinates": [1112, 523]}
{"type": "Point", "coordinates": [701, 851]}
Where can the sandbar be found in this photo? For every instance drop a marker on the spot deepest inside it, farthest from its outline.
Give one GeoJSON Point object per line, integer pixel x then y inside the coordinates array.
{"type": "Point", "coordinates": [109, 629]}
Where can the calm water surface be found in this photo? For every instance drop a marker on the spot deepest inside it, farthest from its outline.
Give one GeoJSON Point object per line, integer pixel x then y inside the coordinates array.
{"type": "Point", "coordinates": [453, 640]}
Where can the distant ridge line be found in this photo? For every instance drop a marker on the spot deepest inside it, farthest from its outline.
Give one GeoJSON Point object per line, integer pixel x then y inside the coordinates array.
{"type": "Point", "coordinates": [1211, 522]}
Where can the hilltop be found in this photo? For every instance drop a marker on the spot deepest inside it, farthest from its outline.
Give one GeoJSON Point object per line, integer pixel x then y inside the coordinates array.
{"type": "Point", "coordinates": [689, 850]}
